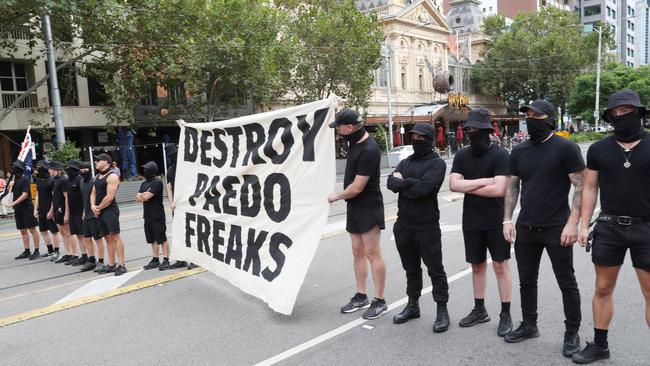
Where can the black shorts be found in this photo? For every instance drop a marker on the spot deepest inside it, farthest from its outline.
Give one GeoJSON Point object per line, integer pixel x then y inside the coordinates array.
{"type": "Point", "coordinates": [25, 218]}
{"type": "Point", "coordinates": [44, 224]}
{"type": "Point", "coordinates": [76, 227]}
{"type": "Point", "coordinates": [91, 228]}
{"type": "Point", "coordinates": [611, 241]}
{"type": "Point", "coordinates": [477, 242]}
{"type": "Point", "coordinates": [155, 231]}
{"type": "Point", "coordinates": [59, 216]}
{"type": "Point", "coordinates": [360, 220]}
{"type": "Point", "coordinates": [109, 222]}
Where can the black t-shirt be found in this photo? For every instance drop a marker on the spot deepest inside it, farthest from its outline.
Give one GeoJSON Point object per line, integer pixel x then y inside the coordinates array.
{"type": "Point", "coordinates": [86, 190]}
{"type": "Point", "coordinates": [153, 208]}
{"type": "Point", "coordinates": [363, 159]}
{"type": "Point", "coordinates": [75, 201]}
{"type": "Point", "coordinates": [44, 188]}
{"type": "Point", "coordinates": [21, 186]}
{"type": "Point", "coordinates": [623, 191]}
{"type": "Point", "coordinates": [544, 172]}
{"type": "Point", "coordinates": [61, 184]}
{"type": "Point", "coordinates": [481, 213]}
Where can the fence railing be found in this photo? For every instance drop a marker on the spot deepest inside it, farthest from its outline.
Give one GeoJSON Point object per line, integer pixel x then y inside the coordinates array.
{"type": "Point", "coordinates": [8, 98]}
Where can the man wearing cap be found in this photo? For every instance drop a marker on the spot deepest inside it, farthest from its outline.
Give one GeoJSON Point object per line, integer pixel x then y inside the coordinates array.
{"type": "Point", "coordinates": [480, 171]}
{"type": "Point", "coordinates": [618, 165]}
{"type": "Point", "coordinates": [106, 211]}
{"type": "Point", "coordinates": [155, 227]}
{"type": "Point", "coordinates": [545, 166]}
{"type": "Point", "coordinates": [47, 227]}
{"type": "Point", "coordinates": [59, 212]}
{"type": "Point", "coordinates": [89, 224]}
{"type": "Point", "coordinates": [365, 211]}
{"type": "Point", "coordinates": [24, 210]}
{"type": "Point", "coordinates": [75, 210]}
{"type": "Point", "coordinates": [417, 179]}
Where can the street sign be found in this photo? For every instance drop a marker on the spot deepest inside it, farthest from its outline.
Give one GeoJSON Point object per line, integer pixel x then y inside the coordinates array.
{"type": "Point", "coordinates": [596, 115]}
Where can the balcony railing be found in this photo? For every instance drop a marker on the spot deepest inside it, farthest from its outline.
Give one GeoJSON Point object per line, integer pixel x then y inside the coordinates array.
{"type": "Point", "coordinates": [19, 32]}
{"type": "Point", "coordinates": [8, 98]}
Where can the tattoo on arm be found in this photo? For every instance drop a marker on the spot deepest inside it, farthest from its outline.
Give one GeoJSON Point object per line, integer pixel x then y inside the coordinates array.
{"type": "Point", "coordinates": [512, 196]}
{"type": "Point", "coordinates": [578, 180]}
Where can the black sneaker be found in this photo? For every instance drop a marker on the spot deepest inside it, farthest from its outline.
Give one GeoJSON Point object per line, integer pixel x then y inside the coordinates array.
{"type": "Point", "coordinates": [376, 309]}
{"type": "Point", "coordinates": [120, 270]}
{"type": "Point", "coordinates": [591, 353]}
{"type": "Point", "coordinates": [24, 255]}
{"type": "Point", "coordinates": [505, 324]}
{"type": "Point", "coordinates": [107, 269]}
{"type": "Point", "coordinates": [356, 302]}
{"type": "Point", "coordinates": [48, 254]}
{"type": "Point", "coordinates": [523, 332]}
{"type": "Point", "coordinates": [153, 263]}
{"type": "Point", "coordinates": [476, 316]}
{"type": "Point", "coordinates": [88, 266]}
{"type": "Point", "coordinates": [571, 345]}
{"type": "Point", "coordinates": [35, 255]}
{"type": "Point", "coordinates": [99, 267]}
{"type": "Point", "coordinates": [63, 259]}
{"type": "Point", "coordinates": [80, 262]}
{"type": "Point", "coordinates": [165, 265]}
{"type": "Point", "coordinates": [178, 264]}
{"type": "Point", "coordinates": [72, 259]}
{"type": "Point", "coordinates": [55, 257]}
{"type": "Point", "coordinates": [192, 266]}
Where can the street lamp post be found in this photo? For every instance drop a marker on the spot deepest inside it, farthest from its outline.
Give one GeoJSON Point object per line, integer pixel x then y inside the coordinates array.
{"type": "Point", "coordinates": [389, 85]}
{"type": "Point", "coordinates": [596, 108]}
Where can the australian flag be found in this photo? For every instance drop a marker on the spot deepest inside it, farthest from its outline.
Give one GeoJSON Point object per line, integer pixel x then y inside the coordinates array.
{"type": "Point", "coordinates": [27, 153]}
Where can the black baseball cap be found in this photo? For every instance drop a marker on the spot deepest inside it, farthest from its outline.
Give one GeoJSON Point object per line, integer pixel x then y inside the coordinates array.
{"type": "Point", "coordinates": [55, 165]}
{"type": "Point", "coordinates": [43, 164]}
{"type": "Point", "coordinates": [84, 165]}
{"type": "Point", "coordinates": [104, 157]}
{"type": "Point", "coordinates": [425, 130]}
{"type": "Point", "coordinates": [624, 97]}
{"type": "Point", "coordinates": [479, 118]}
{"type": "Point", "coordinates": [346, 117]}
{"type": "Point", "coordinates": [540, 106]}
{"type": "Point", "coordinates": [73, 164]}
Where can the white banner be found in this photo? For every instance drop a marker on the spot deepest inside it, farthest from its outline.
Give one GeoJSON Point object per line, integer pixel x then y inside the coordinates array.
{"type": "Point", "coordinates": [251, 197]}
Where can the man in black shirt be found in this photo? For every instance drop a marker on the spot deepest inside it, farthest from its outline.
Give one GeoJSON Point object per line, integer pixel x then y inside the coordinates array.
{"type": "Point", "coordinates": [417, 179]}
{"type": "Point", "coordinates": [59, 212]}
{"type": "Point", "coordinates": [480, 171]}
{"type": "Point", "coordinates": [155, 228]}
{"type": "Point", "coordinates": [546, 165]}
{"type": "Point", "coordinates": [620, 166]}
{"type": "Point", "coordinates": [24, 210]}
{"type": "Point", "coordinates": [75, 210]}
{"type": "Point", "coordinates": [90, 226]}
{"type": "Point", "coordinates": [47, 227]}
{"type": "Point", "coordinates": [365, 214]}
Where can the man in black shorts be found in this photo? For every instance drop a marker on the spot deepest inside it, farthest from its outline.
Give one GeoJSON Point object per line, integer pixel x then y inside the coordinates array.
{"type": "Point", "coordinates": [47, 227]}
{"type": "Point", "coordinates": [417, 179]}
{"type": "Point", "coordinates": [24, 210]}
{"type": "Point", "coordinates": [155, 227]}
{"type": "Point", "coordinates": [365, 215]}
{"type": "Point", "coordinates": [619, 166]}
{"type": "Point", "coordinates": [75, 210]}
{"type": "Point", "coordinates": [546, 165]}
{"type": "Point", "coordinates": [106, 211]}
{"type": "Point", "coordinates": [90, 227]}
{"type": "Point", "coordinates": [480, 171]}
{"type": "Point", "coordinates": [59, 211]}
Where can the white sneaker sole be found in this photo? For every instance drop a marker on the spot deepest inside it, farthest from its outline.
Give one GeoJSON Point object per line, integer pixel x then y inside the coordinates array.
{"type": "Point", "coordinates": [355, 309]}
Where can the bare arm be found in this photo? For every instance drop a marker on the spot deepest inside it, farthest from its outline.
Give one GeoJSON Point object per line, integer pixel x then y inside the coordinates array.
{"type": "Point", "coordinates": [144, 196]}
{"type": "Point", "coordinates": [497, 189]}
{"type": "Point", "coordinates": [20, 199]}
{"type": "Point", "coordinates": [353, 190]}
{"type": "Point", "coordinates": [511, 198]}
{"type": "Point", "coordinates": [67, 208]}
{"type": "Point", "coordinates": [170, 197]}
{"type": "Point", "coordinates": [577, 179]}
{"type": "Point", "coordinates": [589, 198]}
{"type": "Point", "coordinates": [113, 182]}
{"type": "Point", "coordinates": [458, 183]}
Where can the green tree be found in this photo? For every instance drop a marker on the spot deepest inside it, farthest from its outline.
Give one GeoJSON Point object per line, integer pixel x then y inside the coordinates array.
{"type": "Point", "coordinates": [67, 151]}
{"type": "Point", "coordinates": [380, 137]}
{"type": "Point", "coordinates": [537, 57]}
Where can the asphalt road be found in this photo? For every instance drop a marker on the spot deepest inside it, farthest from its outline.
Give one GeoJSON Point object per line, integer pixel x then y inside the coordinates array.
{"type": "Point", "coordinates": [203, 320]}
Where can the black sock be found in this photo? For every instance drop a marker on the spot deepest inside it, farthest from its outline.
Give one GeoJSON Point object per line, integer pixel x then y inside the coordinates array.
{"type": "Point", "coordinates": [100, 260]}
{"type": "Point", "coordinates": [165, 259]}
{"type": "Point", "coordinates": [441, 305]}
{"type": "Point", "coordinates": [381, 301]}
{"type": "Point", "coordinates": [359, 295]}
{"type": "Point", "coordinates": [56, 250]}
{"type": "Point", "coordinates": [600, 338]}
{"type": "Point", "coordinates": [35, 250]}
{"type": "Point", "coordinates": [84, 255]}
{"type": "Point", "coordinates": [155, 259]}
{"type": "Point", "coordinates": [479, 304]}
{"type": "Point", "coordinates": [505, 308]}
{"type": "Point", "coordinates": [91, 259]}
{"type": "Point", "coordinates": [50, 248]}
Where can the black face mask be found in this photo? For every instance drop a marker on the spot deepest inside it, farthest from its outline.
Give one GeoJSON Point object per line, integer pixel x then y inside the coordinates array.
{"type": "Point", "coordinates": [72, 173]}
{"type": "Point", "coordinates": [17, 171]}
{"type": "Point", "coordinates": [43, 173]}
{"type": "Point", "coordinates": [627, 128]}
{"type": "Point", "coordinates": [422, 148]}
{"type": "Point", "coordinates": [539, 129]}
{"type": "Point", "coordinates": [148, 174]}
{"type": "Point", "coordinates": [355, 136]}
{"type": "Point", "coordinates": [480, 141]}
{"type": "Point", "coordinates": [86, 175]}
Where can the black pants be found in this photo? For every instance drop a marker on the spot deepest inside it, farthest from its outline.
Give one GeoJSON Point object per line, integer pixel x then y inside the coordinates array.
{"type": "Point", "coordinates": [415, 246]}
{"type": "Point", "coordinates": [529, 246]}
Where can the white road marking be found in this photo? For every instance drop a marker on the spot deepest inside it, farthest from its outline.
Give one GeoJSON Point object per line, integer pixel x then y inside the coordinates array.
{"type": "Point", "coordinates": [100, 285]}
{"type": "Point", "coordinates": [367, 327]}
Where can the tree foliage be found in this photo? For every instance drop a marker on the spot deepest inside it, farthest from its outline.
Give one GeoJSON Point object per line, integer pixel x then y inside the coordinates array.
{"type": "Point", "coordinates": [537, 57]}
{"type": "Point", "coordinates": [67, 151]}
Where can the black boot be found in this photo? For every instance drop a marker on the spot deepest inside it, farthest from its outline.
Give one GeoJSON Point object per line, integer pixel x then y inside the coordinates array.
{"type": "Point", "coordinates": [411, 311]}
{"type": "Point", "coordinates": [442, 319]}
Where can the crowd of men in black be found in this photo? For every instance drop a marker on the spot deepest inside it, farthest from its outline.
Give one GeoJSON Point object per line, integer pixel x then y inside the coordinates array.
{"type": "Point", "coordinates": [79, 210]}
{"type": "Point", "coordinates": [541, 170]}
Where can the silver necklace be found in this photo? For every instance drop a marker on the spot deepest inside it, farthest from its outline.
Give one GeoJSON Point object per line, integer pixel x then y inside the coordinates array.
{"type": "Point", "coordinates": [627, 163]}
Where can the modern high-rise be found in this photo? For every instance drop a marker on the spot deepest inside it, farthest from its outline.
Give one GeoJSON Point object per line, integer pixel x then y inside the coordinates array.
{"type": "Point", "coordinates": [510, 8]}
{"type": "Point", "coordinates": [642, 29]}
{"type": "Point", "coordinates": [621, 16]}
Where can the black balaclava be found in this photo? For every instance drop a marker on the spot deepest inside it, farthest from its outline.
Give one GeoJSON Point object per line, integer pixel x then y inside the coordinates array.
{"type": "Point", "coordinates": [86, 175]}
{"type": "Point", "coordinates": [627, 128]}
{"type": "Point", "coordinates": [539, 129]}
{"type": "Point", "coordinates": [72, 173]}
{"type": "Point", "coordinates": [17, 171]}
{"type": "Point", "coordinates": [43, 173]}
{"type": "Point", "coordinates": [479, 141]}
{"type": "Point", "coordinates": [150, 170]}
{"type": "Point", "coordinates": [355, 136]}
{"type": "Point", "coordinates": [422, 148]}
